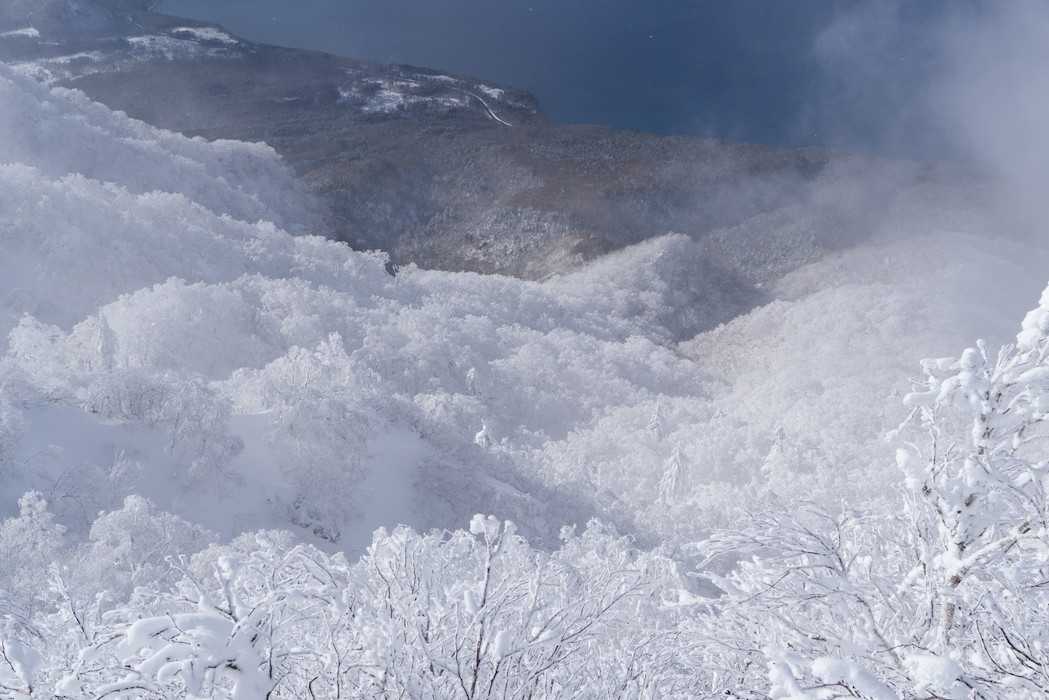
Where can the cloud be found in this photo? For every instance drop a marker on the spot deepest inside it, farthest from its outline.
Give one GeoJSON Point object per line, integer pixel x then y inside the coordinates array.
{"type": "Point", "coordinates": [874, 62]}
{"type": "Point", "coordinates": [933, 80]}
{"type": "Point", "coordinates": [993, 96]}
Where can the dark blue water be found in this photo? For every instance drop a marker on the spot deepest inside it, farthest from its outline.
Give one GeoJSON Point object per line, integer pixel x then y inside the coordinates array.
{"type": "Point", "coordinates": [743, 70]}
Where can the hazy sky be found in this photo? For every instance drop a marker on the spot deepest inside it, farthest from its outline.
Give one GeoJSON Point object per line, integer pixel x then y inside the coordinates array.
{"type": "Point", "coordinates": [788, 72]}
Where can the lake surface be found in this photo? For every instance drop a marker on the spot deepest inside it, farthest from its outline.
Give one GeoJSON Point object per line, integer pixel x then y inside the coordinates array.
{"type": "Point", "coordinates": [742, 70]}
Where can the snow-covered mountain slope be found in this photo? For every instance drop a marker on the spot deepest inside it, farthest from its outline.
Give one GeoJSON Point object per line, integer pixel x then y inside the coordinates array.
{"type": "Point", "coordinates": [63, 133]}
{"type": "Point", "coordinates": [151, 293]}
{"type": "Point", "coordinates": [162, 320]}
{"type": "Point", "coordinates": [182, 364]}
{"type": "Point", "coordinates": [96, 205]}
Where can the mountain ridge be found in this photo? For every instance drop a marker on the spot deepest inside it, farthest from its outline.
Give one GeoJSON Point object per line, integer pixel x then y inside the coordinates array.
{"type": "Point", "coordinates": [459, 173]}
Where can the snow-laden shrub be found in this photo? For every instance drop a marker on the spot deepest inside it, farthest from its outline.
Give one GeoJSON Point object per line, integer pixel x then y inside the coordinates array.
{"type": "Point", "coordinates": [321, 411]}
{"type": "Point", "coordinates": [476, 614]}
{"type": "Point", "coordinates": [129, 548]}
{"type": "Point", "coordinates": [947, 600]}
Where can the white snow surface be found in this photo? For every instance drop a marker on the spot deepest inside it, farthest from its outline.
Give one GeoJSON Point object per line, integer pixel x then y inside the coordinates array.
{"type": "Point", "coordinates": [28, 32]}
{"type": "Point", "coordinates": [206, 34]}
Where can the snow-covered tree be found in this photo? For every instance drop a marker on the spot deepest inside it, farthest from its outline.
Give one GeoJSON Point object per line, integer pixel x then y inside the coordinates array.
{"type": "Point", "coordinates": [129, 548]}
{"type": "Point", "coordinates": [321, 417]}
{"type": "Point", "coordinates": [482, 614]}
{"type": "Point", "coordinates": [475, 614]}
{"type": "Point", "coordinates": [673, 484]}
{"type": "Point", "coordinates": [976, 480]}
{"type": "Point", "coordinates": [30, 544]}
{"type": "Point", "coordinates": [483, 438]}
{"type": "Point", "coordinates": [657, 421]}
{"type": "Point", "coordinates": [254, 626]}
{"type": "Point", "coordinates": [948, 600]}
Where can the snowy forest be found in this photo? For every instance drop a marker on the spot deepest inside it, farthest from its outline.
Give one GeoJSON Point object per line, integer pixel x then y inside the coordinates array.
{"type": "Point", "coordinates": [239, 459]}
